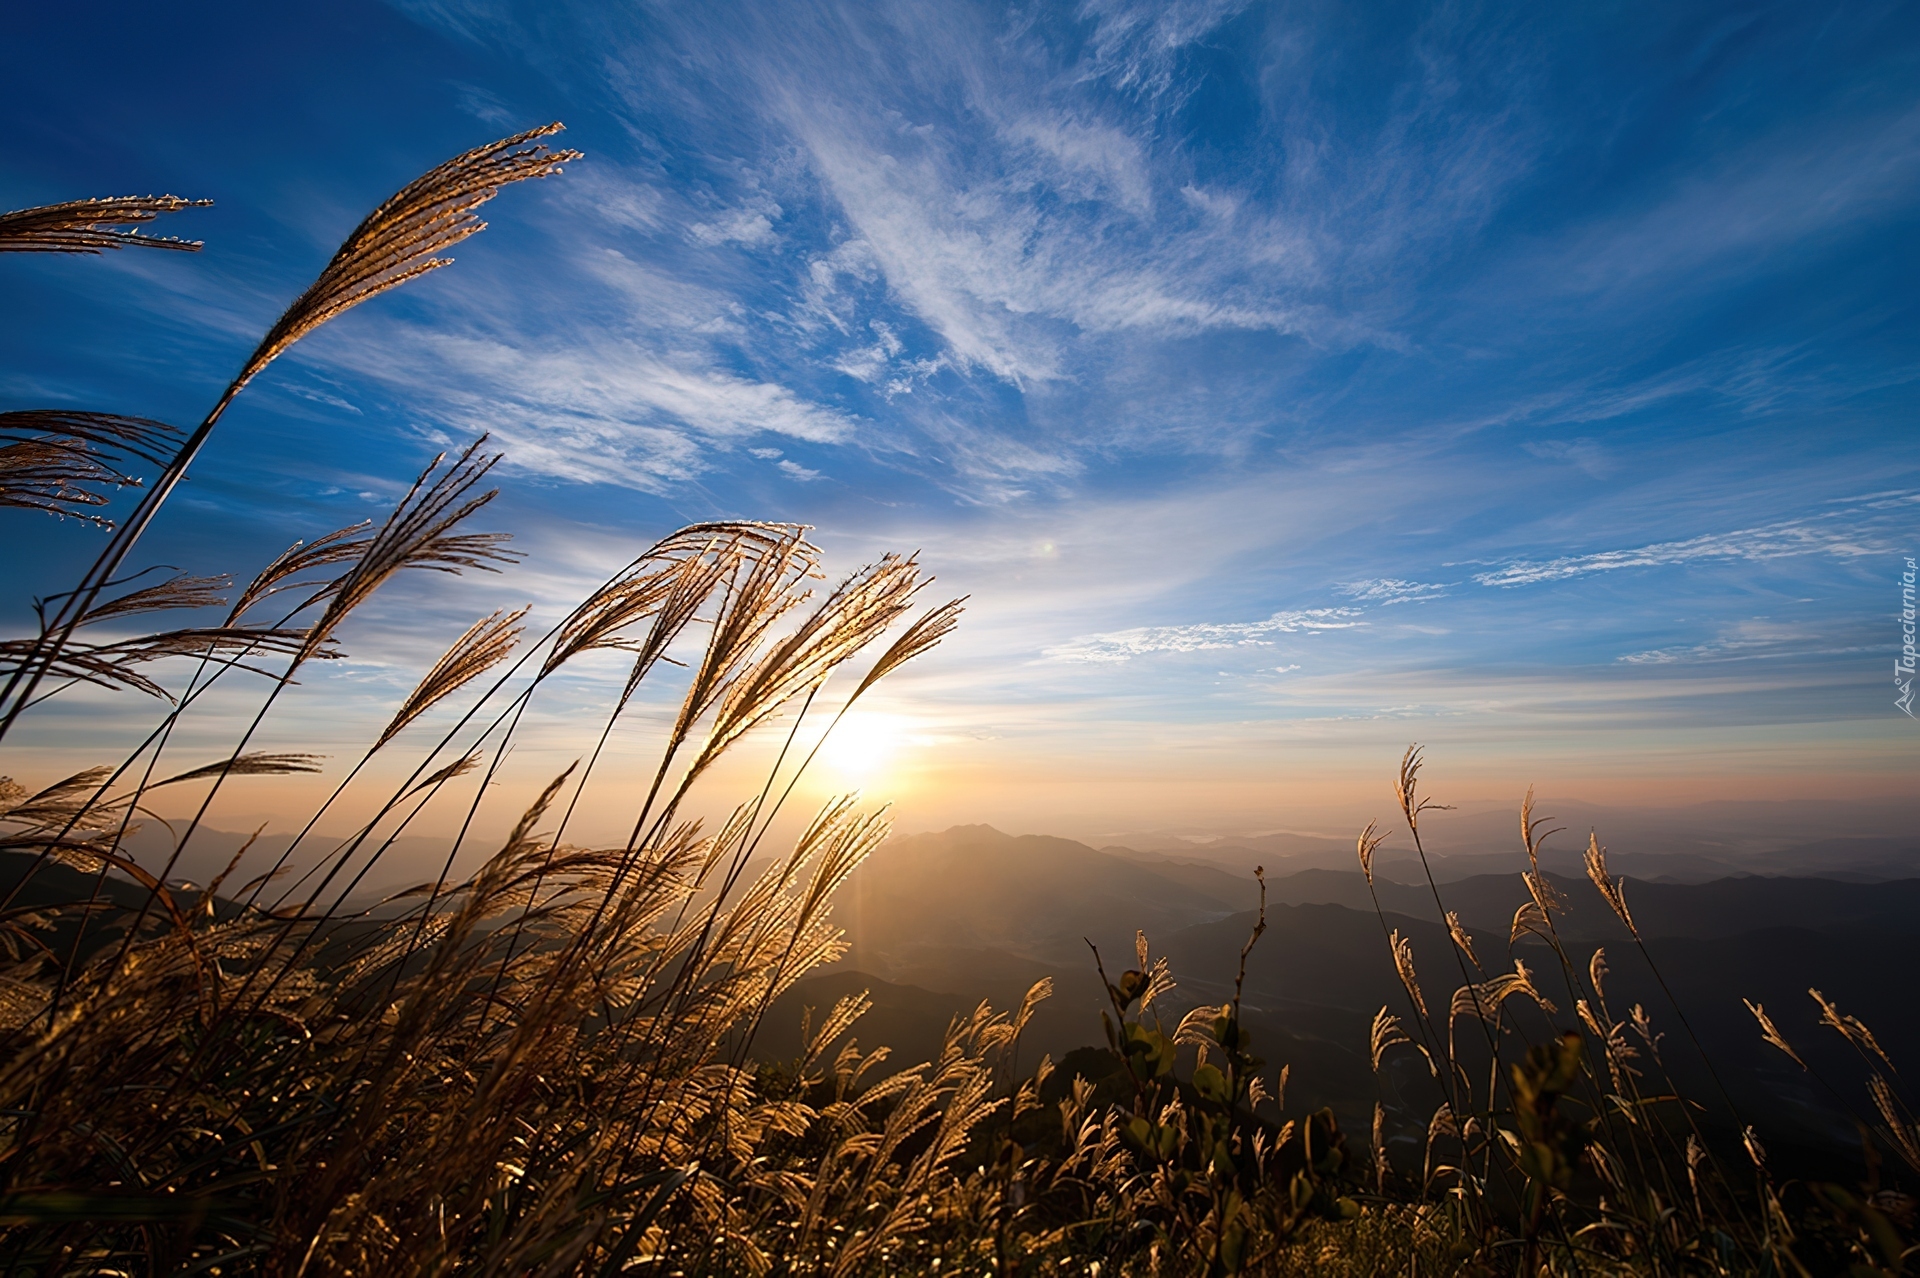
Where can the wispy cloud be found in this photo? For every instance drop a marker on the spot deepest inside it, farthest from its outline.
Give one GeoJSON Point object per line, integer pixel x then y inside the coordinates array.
{"type": "Point", "coordinates": [1772, 541]}
{"type": "Point", "coordinates": [1757, 637]}
{"type": "Point", "coordinates": [596, 410]}
{"type": "Point", "coordinates": [1004, 274]}
{"type": "Point", "coordinates": [1124, 645]}
{"type": "Point", "coordinates": [751, 225]}
{"type": "Point", "coordinates": [1808, 179]}
{"type": "Point", "coordinates": [1589, 455]}
{"type": "Point", "coordinates": [1391, 590]}
{"type": "Point", "coordinates": [1138, 46]}
{"type": "Point", "coordinates": [485, 105]}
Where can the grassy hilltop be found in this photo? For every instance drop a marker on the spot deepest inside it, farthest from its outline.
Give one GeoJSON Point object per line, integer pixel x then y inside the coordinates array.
{"type": "Point", "coordinates": [700, 1050]}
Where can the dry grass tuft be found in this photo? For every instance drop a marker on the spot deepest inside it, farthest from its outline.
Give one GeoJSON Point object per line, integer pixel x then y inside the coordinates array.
{"type": "Point", "coordinates": [1366, 845]}
{"type": "Point", "coordinates": [394, 244]}
{"type": "Point", "coordinates": [91, 226]}
{"type": "Point", "coordinates": [260, 763]}
{"type": "Point", "coordinates": [59, 461]}
{"type": "Point", "coordinates": [484, 645]}
{"type": "Point", "coordinates": [418, 534]}
{"type": "Point", "coordinates": [397, 242]}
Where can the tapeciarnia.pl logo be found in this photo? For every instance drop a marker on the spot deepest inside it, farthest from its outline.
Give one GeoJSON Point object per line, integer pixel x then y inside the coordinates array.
{"type": "Point", "coordinates": [1903, 664]}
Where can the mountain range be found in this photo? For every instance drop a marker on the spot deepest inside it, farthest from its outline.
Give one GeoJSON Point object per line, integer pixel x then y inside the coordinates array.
{"type": "Point", "coordinates": [937, 922]}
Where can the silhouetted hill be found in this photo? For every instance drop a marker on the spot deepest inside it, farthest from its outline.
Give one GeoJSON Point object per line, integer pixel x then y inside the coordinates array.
{"type": "Point", "coordinates": [946, 919]}
{"type": "Point", "coordinates": [1723, 907]}
{"type": "Point", "coordinates": [412, 859]}
{"type": "Point", "coordinates": [1809, 839]}
{"type": "Point", "coordinates": [1321, 971]}
{"type": "Point", "coordinates": [974, 887]}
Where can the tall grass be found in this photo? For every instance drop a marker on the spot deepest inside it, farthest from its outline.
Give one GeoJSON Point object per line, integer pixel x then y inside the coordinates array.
{"type": "Point", "coordinates": [1566, 1146]}
{"type": "Point", "coordinates": [546, 1066]}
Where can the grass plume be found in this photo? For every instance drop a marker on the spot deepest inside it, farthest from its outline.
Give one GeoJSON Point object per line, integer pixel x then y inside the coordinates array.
{"type": "Point", "coordinates": [93, 226]}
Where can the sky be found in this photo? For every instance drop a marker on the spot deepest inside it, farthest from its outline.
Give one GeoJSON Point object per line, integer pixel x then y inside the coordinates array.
{"type": "Point", "coordinates": [1284, 383]}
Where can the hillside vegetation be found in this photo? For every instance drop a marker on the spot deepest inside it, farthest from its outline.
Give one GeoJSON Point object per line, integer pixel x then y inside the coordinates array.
{"type": "Point", "coordinates": [941, 921]}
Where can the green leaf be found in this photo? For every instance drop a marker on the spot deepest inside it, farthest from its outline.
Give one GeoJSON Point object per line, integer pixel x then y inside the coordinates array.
{"type": "Point", "coordinates": [1211, 1084]}
{"type": "Point", "coordinates": [55, 1205]}
{"type": "Point", "coordinates": [1233, 1245]}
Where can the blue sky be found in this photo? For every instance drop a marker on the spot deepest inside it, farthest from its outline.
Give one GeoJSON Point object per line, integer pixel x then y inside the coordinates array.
{"type": "Point", "coordinates": [1285, 382]}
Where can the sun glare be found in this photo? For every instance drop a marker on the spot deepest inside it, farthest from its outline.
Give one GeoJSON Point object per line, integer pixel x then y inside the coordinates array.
{"type": "Point", "coordinates": [863, 748]}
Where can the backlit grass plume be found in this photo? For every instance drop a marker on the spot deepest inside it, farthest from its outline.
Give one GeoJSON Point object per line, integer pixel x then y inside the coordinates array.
{"type": "Point", "coordinates": [60, 461]}
{"type": "Point", "coordinates": [399, 240]}
{"type": "Point", "coordinates": [484, 645]}
{"type": "Point", "coordinates": [445, 1019]}
{"type": "Point", "coordinates": [396, 243]}
{"type": "Point", "coordinates": [91, 226]}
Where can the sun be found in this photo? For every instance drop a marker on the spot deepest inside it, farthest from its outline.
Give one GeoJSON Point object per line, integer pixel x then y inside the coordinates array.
{"type": "Point", "coordinates": [863, 747]}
